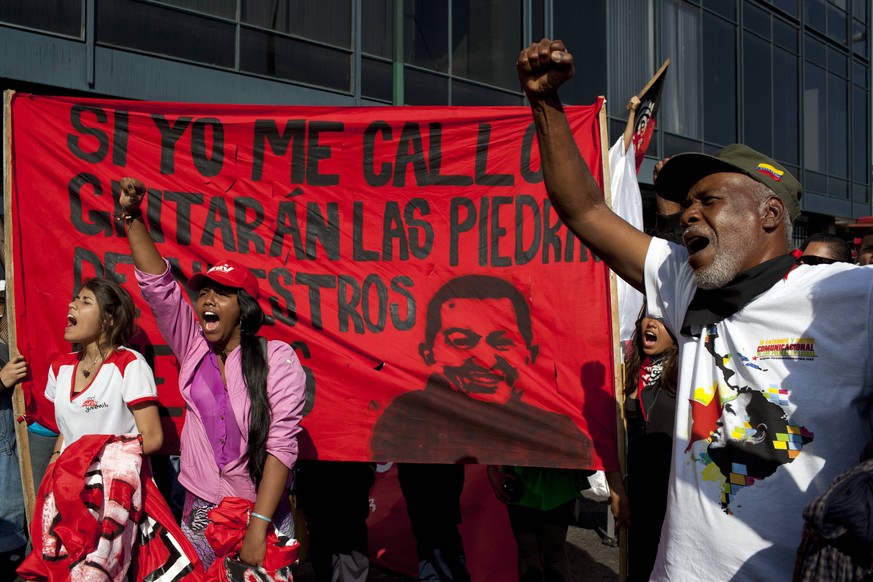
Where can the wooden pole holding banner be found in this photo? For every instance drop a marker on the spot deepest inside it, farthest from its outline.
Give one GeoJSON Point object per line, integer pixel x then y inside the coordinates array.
{"type": "Point", "coordinates": [18, 406]}
{"type": "Point", "coordinates": [617, 361]}
{"type": "Point", "coordinates": [654, 78]}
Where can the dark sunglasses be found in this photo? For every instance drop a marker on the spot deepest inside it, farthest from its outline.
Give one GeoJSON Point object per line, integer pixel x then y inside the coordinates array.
{"type": "Point", "coordinates": [814, 260]}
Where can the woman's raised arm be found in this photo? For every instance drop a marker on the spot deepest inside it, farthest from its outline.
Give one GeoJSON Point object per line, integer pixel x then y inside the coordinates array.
{"type": "Point", "coordinates": [145, 254]}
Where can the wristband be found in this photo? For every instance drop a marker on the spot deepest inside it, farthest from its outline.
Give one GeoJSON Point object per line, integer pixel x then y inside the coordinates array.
{"type": "Point", "coordinates": [128, 215]}
{"type": "Point", "coordinates": [262, 517]}
{"type": "Point", "coordinates": [55, 453]}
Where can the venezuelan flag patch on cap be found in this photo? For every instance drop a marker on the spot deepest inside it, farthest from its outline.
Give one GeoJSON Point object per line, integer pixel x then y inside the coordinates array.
{"type": "Point", "coordinates": [774, 173]}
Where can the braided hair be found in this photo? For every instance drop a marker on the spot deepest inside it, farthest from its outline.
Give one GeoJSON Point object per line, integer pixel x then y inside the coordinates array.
{"type": "Point", "coordinates": [255, 370]}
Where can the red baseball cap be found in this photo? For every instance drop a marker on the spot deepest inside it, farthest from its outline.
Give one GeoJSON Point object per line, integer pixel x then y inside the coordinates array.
{"type": "Point", "coordinates": [229, 274]}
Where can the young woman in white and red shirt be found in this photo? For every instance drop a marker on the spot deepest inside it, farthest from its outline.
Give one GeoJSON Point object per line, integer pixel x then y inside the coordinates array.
{"type": "Point", "coordinates": [103, 387]}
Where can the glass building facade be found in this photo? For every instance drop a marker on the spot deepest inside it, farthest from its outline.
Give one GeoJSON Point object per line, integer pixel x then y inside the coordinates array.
{"type": "Point", "coordinates": [790, 78]}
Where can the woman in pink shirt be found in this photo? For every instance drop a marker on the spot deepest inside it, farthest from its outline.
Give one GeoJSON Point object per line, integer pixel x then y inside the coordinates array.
{"type": "Point", "coordinates": [244, 395]}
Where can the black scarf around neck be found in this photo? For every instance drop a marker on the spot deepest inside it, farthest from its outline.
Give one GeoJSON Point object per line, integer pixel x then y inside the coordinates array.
{"type": "Point", "coordinates": [714, 305]}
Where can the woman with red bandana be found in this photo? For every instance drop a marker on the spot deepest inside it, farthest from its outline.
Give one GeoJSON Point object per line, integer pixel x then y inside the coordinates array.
{"type": "Point", "coordinates": [244, 395]}
{"type": "Point", "coordinates": [651, 370]}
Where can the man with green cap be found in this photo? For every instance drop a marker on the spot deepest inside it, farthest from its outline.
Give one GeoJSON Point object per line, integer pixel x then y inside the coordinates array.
{"type": "Point", "coordinates": [775, 382]}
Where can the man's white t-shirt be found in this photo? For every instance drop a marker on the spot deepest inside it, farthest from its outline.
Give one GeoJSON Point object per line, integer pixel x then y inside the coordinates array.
{"type": "Point", "coordinates": [123, 380]}
{"type": "Point", "coordinates": [772, 404]}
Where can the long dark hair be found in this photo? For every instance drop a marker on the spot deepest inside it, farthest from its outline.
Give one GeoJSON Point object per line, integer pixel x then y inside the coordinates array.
{"type": "Point", "coordinates": [635, 356]}
{"type": "Point", "coordinates": [117, 312]}
{"type": "Point", "coordinates": [255, 370]}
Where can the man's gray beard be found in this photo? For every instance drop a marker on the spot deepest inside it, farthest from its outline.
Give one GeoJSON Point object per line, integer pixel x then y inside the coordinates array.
{"type": "Point", "coordinates": [726, 263]}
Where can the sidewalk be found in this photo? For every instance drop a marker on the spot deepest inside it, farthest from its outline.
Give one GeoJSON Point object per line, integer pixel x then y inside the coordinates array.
{"type": "Point", "coordinates": [590, 558]}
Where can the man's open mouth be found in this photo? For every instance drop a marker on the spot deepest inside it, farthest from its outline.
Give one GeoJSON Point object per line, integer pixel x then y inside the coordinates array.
{"type": "Point", "coordinates": [695, 243]}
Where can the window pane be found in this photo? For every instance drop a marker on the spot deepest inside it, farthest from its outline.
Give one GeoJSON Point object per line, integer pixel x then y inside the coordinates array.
{"type": "Point", "coordinates": [815, 13]}
{"type": "Point", "coordinates": [757, 129]}
{"type": "Point", "coordinates": [785, 35]}
{"type": "Point", "coordinates": [860, 74]}
{"type": "Point", "coordinates": [328, 21]}
{"type": "Point", "coordinates": [838, 127]}
{"type": "Point", "coordinates": [727, 8]}
{"type": "Point", "coordinates": [377, 28]}
{"type": "Point", "coordinates": [426, 34]}
{"type": "Point", "coordinates": [631, 51]}
{"type": "Point", "coordinates": [377, 79]}
{"type": "Point", "coordinates": [537, 19]}
{"type": "Point", "coordinates": [815, 182]}
{"type": "Point", "coordinates": [814, 122]}
{"type": "Point", "coordinates": [815, 50]}
{"type": "Point", "coordinates": [170, 32]}
{"type": "Point", "coordinates": [58, 16]}
{"type": "Point", "coordinates": [861, 137]}
{"type": "Point", "coordinates": [420, 88]}
{"type": "Point", "coordinates": [789, 6]}
{"type": "Point", "coordinates": [838, 188]}
{"type": "Point", "coordinates": [859, 38]}
{"type": "Point", "coordinates": [837, 23]}
{"type": "Point", "coordinates": [223, 8]}
{"type": "Point", "coordinates": [680, 110]}
{"type": "Point", "coordinates": [786, 96]}
{"type": "Point", "coordinates": [838, 62]}
{"type": "Point", "coordinates": [757, 20]}
{"type": "Point", "coordinates": [719, 80]}
{"type": "Point", "coordinates": [582, 27]}
{"type": "Point", "coordinates": [470, 94]}
{"type": "Point", "coordinates": [860, 9]}
{"type": "Point", "coordinates": [287, 58]}
{"type": "Point", "coordinates": [485, 33]}
{"type": "Point", "coordinates": [616, 128]}
{"type": "Point", "coordinates": [675, 144]}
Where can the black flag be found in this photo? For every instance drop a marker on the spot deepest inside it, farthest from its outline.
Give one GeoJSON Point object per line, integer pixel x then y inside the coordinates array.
{"type": "Point", "coordinates": [644, 125]}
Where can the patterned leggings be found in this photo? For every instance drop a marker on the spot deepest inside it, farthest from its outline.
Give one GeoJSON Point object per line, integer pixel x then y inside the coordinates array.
{"type": "Point", "coordinates": [195, 518]}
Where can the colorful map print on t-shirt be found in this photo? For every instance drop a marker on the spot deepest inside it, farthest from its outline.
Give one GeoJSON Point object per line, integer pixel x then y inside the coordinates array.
{"type": "Point", "coordinates": [749, 433]}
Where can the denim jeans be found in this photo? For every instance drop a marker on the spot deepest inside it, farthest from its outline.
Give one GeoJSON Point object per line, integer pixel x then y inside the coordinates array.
{"type": "Point", "coordinates": [13, 532]}
{"type": "Point", "coordinates": [41, 448]}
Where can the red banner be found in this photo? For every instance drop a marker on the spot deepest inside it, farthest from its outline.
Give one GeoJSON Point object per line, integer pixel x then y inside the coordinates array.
{"type": "Point", "coordinates": [409, 255]}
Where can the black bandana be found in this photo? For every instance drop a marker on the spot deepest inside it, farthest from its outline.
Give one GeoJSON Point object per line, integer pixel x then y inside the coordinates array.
{"type": "Point", "coordinates": [714, 305]}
